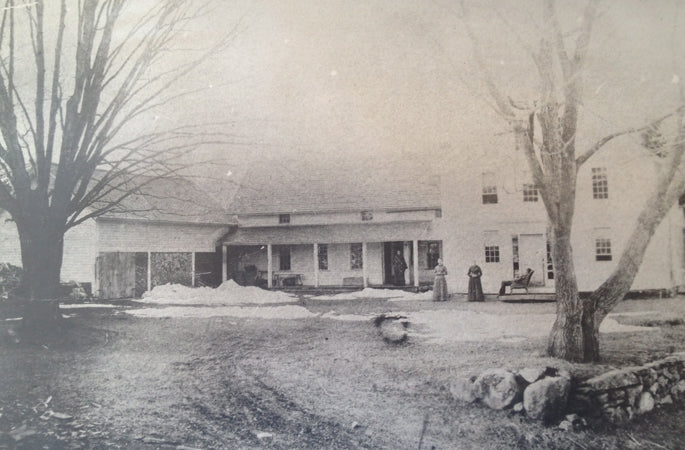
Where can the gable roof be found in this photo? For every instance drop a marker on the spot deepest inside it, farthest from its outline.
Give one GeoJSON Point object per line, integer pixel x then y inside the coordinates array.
{"type": "Point", "coordinates": [300, 185]}
{"type": "Point", "coordinates": [170, 199]}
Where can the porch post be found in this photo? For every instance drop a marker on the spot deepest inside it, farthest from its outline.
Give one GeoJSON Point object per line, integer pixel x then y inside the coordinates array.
{"type": "Point", "coordinates": [192, 269]}
{"type": "Point", "coordinates": [316, 265]}
{"type": "Point", "coordinates": [269, 268]}
{"type": "Point", "coordinates": [224, 262]}
{"type": "Point", "coordinates": [149, 271]}
{"type": "Point", "coordinates": [415, 256]}
{"type": "Point", "coordinates": [365, 270]}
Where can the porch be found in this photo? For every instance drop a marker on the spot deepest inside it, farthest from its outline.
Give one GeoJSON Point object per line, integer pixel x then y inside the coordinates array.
{"type": "Point", "coordinates": [344, 256]}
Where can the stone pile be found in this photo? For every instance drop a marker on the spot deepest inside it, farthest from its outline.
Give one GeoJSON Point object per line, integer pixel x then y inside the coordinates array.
{"type": "Point", "coordinates": [541, 393]}
{"type": "Point", "coordinates": [620, 395]}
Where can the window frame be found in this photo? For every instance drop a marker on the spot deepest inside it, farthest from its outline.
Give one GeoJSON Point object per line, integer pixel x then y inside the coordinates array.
{"type": "Point", "coordinates": [530, 193]}
{"type": "Point", "coordinates": [356, 254]}
{"type": "Point", "coordinates": [600, 183]}
{"type": "Point", "coordinates": [489, 188]}
{"type": "Point", "coordinates": [284, 250]}
{"type": "Point", "coordinates": [492, 254]}
{"type": "Point", "coordinates": [283, 219]}
{"type": "Point", "coordinates": [603, 249]}
{"type": "Point", "coordinates": [322, 256]}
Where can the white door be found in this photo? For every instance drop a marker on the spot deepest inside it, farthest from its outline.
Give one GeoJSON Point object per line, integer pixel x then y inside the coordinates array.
{"type": "Point", "coordinates": [532, 253]}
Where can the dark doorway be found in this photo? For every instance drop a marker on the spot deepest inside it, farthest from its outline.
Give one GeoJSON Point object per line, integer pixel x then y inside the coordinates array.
{"type": "Point", "coordinates": [389, 249]}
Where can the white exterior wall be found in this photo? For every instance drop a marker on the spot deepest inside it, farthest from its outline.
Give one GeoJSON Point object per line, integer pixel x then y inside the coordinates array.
{"type": "Point", "coordinates": [335, 218]}
{"type": "Point", "coordinates": [78, 261]}
{"type": "Point", "coordinates": [130, 236]}
{"type": "Point", "coordinates": [471, 225]}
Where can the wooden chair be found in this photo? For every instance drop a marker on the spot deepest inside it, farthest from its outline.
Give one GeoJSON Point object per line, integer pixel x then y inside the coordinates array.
{"type": "Point", "coordinates": [522, 284]}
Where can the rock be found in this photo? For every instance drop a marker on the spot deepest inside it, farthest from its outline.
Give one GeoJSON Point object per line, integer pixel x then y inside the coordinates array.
{"type": "Point", "coordinates": [566, 425]}
{"type": "Point", "coordinates": [614, 379]}
{"type": "Point", "coordinates": [355, 425]}
{"type": "Point", "coordinates": [463, 390]}
{"type": "Point", "coordinates": [393, 331]}
{"type": "Point", "coordinates": [531, 374]}
{"type": "Point", "coordinates": [546, 399]}
{"type": "Point", "coordinates": [497, 388]}
{"type": "Point", "coordinates": [518, 407]}
{"type": "Point", "coordinates": [263, 435]}
{"type": "Point", "coordinates": [61, 416]}
{"type": "Point", "coordinates": [21, 433]}
{"type": "Point", "coordinates": [667, 400]}
{"type": "Point", "coordinates": [678, 391]}
{"type": "Point", "coordinates": [646, 403]}
{"type": "Point", "coordinates": [154, 440]}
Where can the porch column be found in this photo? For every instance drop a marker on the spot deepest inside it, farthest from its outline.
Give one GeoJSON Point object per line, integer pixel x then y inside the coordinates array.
{"type": "Point", "coordinates": [192, 269]}
{"type": "Point", "coordinates": [415, 256]}
{"type": "Point", "coordinates": [365, 270]}
{"type": "Point", "coordinates": [316, 265]}
{"type": "Point", "coordinates": [149, 271]}
{"type": "Point", "coordinates": [269, 268]}
{"type": "Point", "coordinates": [224, 262]}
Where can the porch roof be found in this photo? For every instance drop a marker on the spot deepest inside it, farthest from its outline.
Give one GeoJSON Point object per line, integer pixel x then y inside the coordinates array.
{"type": "Point", "coordinates": [330, 234]}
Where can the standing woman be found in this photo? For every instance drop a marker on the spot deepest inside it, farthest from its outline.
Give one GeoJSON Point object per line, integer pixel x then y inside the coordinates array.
{"type": "Point", "coordinates": [440, 285]}
{"type": "Point", "coordinates": [475, 288]}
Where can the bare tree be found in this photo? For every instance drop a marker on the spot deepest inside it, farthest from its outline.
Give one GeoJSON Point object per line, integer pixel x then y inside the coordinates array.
{"type": "Point", "coordinates": [560, 62]}
{"type": "Point", "coordinates": [72, 80]}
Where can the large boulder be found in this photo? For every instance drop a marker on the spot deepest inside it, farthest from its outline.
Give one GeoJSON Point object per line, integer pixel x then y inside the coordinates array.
{"type": "Point", "coordinates": [497, 388]}
{"type": "Point", "coordinates": [393, 330]}
{"type": "Point", "coordinates": [546, 399]}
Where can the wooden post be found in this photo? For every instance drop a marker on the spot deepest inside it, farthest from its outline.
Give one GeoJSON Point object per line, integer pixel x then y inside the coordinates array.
{"type": "Point", "coordinates": [415, 257]}
{"type": "Point", "coordinates": [365, 270]}
{"type": "Point", "coordinates": [269, 268]}
{"type": "Point", "coordinates": [224, 262]}
{"type": "Point", "coordinates": [192, 269]}
{"type": "Point", "coordinates": [149, 271]}
{"type": "Point", "coordinates": [316, 265]}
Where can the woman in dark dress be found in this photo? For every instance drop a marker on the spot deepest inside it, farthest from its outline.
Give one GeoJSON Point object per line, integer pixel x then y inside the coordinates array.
{"type": "Point", "coordinates": [475, 288]}
{"type": "Point", "coordinates": [440, 285]}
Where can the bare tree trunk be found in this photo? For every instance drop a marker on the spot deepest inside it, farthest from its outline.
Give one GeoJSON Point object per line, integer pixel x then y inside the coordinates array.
{"type": "Point", "coordinates": [41, 248]}
{"type": "Point", "coordinates": [566, 339]}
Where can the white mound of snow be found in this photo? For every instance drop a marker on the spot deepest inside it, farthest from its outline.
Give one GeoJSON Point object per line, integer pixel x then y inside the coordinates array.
{"type": "Point", "coordinates": [394, 294]}
{"type": "Point", "coordinates": [86, 305]}
{"type": "Point", "coordinates": [255, 312]}
{"type": "Point", "coordinates": [229, 293]}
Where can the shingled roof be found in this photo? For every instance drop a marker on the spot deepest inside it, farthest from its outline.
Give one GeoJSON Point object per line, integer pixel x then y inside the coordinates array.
{"type": "Point", "coordinates": [292, 185]}
{"type": "Point", "coordinates": [170, 199]}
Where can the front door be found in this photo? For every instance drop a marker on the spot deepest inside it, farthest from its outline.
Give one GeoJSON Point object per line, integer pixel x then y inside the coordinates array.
{"type": "Point", "coordinates": [389, 249]}
{"type": "Point", "coordinates": [532, 253]}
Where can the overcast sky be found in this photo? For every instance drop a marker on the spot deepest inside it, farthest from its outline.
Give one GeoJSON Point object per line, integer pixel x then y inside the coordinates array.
{"type": "Point", "coordinates": [396, 78]}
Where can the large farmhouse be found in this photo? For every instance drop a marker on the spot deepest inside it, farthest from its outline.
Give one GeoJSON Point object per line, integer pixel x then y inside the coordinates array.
{"type": "Point", "coordinates": [302, 223]}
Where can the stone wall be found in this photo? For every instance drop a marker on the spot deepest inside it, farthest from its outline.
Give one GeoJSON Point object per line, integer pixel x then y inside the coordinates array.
{"type": "Point", "coordinates": [619, 395]}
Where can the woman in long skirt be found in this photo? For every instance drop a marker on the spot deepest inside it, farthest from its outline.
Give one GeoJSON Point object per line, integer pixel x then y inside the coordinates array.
{"type": "Point", "coordinates": [475, 288]}
{"type": "Point", "coordinates": [440, 285]}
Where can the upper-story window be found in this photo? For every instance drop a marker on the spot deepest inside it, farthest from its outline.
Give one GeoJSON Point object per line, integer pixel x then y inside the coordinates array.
{"type": "Point", "coordinates": [284, 218]}
{"type": "Point", "coordinates": [600, 183]}
{"type": "Point", "coordinates": [530, 192]}
{"type": "Point", "coordinates": [492, 253]}
{"type": "Point", "coordinates": [367, 215]}
{"type": "Point", "coordinates": [323, 256]}
{"type": "Point", "coordinates": [489, 188]}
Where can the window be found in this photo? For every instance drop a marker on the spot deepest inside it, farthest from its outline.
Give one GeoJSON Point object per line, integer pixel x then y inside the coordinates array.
{"type": "Point", "coordinates": [489, 188]}
{"type": "Point", "coordinates": [491, 254]}
{"type": "Point", "coordinates": [284, 258]}
{"type": "Point", "coordinates": [438, 213]}
{"type": "Point", "coordinates": [603, 249]}
{"type": "Point", "coordinates": [356, 256]}
{"type": "Point", "coordinates": [367, 215]}
{"type": "Point", "coordinates": [284, 218]}
{"type": "Point", "coordinates": [515, 254]}
{"type": "Point", "coordinates": [600, 184]}
{"type": "Point", "coordinates": [550, 263]}
{"type": "Point", "coordinates": [530, 193]}
{"type": "Point", "coordinates": [432, 254]}
{"type": "Point", "coordinates": [323, 256]}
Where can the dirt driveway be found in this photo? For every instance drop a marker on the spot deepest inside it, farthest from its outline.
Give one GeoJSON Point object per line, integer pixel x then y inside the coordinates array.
{"type": "Point", "coordinates": [310, 381]}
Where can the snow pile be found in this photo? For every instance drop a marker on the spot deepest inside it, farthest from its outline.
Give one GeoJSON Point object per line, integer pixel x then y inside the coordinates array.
{"type": "Point", "coordinates": [394, 294]}
{"type": "Point", "coordinates": [86, 305]}
{"type": "Point", "coordinates": [229, 293]}
{"type": "Point", "coordinates": [266, 312]}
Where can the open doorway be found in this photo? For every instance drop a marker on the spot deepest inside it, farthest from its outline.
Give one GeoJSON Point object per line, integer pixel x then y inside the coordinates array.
{"type": "Point", "coordinates": [390, 274]}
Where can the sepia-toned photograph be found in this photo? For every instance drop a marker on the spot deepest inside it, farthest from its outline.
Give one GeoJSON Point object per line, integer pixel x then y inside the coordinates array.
{"type": "Point", "coordinates": [331, 224]}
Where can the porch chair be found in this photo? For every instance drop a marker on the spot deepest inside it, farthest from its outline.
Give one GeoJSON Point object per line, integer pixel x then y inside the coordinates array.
{"type": "Point", "coordinates": [522, 284]}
